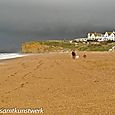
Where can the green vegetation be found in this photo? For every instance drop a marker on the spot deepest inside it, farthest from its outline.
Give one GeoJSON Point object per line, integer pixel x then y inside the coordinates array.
{"type": "Point", "coordinates": [94, 47]}
{"type": "Point", "coordinates": [61, 45]}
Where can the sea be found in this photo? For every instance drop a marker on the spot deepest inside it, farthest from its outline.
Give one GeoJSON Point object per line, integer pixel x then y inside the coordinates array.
{"type": "Point", "coordinates": [5, 56]}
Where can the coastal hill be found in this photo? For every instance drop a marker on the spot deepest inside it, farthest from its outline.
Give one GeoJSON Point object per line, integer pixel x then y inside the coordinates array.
{"type": "Point", "coordinates": [62, 45]}
{"type": "Point", "coordinates": [46, 46]}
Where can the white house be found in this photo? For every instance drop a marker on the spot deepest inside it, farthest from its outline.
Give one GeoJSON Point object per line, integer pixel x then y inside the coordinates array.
{"type": "Point", "coordinates": [97, 36]}
{"type": "Point", "coordinates": [81, 40]}
{"type": "Point", "coordinates": [109, 36]}
{"type": "Point", "coordinates": [94, 36]}
{"type": "Point", "coordinates": [101, 37]}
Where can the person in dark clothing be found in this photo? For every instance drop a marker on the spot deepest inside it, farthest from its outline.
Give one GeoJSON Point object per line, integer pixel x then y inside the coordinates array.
{"type": "Point", "coordinates": [73, 54]}
{"type": "Point", "coordinates": [84, 56]}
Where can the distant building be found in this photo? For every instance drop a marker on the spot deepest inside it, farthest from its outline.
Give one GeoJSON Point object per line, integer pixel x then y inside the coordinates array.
{"type": "Point", "coordinates": [101, 37]}
{"type": "Point", "coordinates": [97, 37]}
{"type": "Point", "coordinates": [94, 36]}
{"type": "Point", "coordinates": [109, 36]}
{"type": "Point", "coordinates": [81, 40]}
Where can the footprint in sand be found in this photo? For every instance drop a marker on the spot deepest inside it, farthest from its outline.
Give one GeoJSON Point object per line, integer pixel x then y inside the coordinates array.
{"type": "Point", "coordinates": [96, 81]}
{"type": "Point", "coordinates": [26, 75]}
{"type": "Point", "coordinates": [12, 75]}
{"type": "Point", "coordinates": [38, 66]}
{"type": "Point", "coordinates": [21, 86]}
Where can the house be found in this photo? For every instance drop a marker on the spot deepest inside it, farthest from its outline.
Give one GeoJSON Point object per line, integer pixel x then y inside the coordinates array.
{"type": "Point", "coordinates": [94, 36]}
{"type": "Point", "coordinates": [109, 36]}
{"type": "Point", "coordinates": [101, 37]}
{"type": "Point", "coordinates": [81, 40]}
{"type": "Point", "coordinates": [97, 37]}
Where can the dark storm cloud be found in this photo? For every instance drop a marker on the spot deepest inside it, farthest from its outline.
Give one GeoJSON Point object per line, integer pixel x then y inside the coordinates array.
{"type": "Point", "coordinates": [22, 20]}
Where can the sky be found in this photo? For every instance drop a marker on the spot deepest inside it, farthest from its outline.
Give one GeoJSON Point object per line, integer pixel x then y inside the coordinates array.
{"type": "Point", "coordinates": [26, 20]}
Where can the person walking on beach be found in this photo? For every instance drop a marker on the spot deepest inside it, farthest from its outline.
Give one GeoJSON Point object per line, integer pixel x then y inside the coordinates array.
{"type": "Point", "coordinates": [73, 54]}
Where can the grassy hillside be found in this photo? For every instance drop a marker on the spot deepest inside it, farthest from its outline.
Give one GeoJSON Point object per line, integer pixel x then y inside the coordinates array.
{"type": "Point", "coordinates": [61, 45]}
{"type": "Point", "coordinates": [94, 47]}
{"type": "Point", "coordinates": [46, 46]}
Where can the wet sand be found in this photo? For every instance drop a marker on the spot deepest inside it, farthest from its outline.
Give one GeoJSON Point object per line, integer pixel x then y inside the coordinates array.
{"type": "Point", "coordinates": [59, 84]}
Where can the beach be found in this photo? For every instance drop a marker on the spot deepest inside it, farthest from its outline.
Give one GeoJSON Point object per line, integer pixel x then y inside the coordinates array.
{"type": "Point", "coordinates": [59, 84]}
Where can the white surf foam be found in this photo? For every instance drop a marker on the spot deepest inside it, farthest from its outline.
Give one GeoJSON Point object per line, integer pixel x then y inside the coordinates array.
{"type": "Point", "coordinates": [4, 56]}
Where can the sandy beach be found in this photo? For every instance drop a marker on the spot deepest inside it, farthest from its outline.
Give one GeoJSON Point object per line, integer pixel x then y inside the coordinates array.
{"type": "Point", "coordinates": [59, 84]}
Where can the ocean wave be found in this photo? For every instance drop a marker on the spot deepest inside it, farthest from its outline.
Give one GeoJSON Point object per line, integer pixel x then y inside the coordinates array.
{"type": "Point", "coordinates": [4, 56]}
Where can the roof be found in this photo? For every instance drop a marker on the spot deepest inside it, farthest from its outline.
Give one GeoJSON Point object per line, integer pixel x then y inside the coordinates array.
{"type": "Point", "coordinates": [109, 33]}
{"type": "Point", "coordinates": [96, 34]}
{"type": "Point", "coordinates": [101, 34]}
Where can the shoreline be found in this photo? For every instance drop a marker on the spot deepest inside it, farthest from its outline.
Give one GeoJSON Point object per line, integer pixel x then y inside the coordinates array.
{"type": "Point", "coordinates": [23, 55]}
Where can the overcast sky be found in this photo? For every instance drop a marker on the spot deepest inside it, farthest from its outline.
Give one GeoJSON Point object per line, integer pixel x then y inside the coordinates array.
{"type": "Point", "coordinates": [24, 20]}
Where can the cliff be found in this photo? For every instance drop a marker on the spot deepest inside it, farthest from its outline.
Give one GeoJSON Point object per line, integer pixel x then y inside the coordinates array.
{"type": "Point", "coordinates": [34, 47]}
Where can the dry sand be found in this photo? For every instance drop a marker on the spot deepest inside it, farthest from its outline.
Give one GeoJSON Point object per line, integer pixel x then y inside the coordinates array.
{"type": "Point", "coordinates": [59, 84]}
